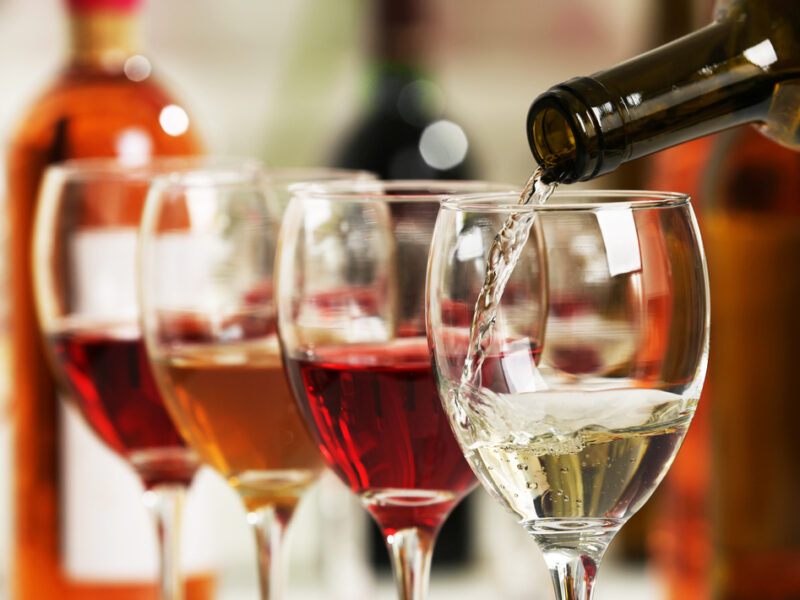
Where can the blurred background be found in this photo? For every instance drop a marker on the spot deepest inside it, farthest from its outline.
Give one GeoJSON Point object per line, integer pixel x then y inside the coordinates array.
{"type": "Point", "coordinates": [291, 83]}
{"type": "Point", "coordinates": [284, 80]}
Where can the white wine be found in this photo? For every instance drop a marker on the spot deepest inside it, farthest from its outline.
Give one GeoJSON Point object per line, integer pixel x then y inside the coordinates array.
{"type": "Point", "coordinates": [571, 416]}
{"type": "Point", "coordinates": [502, 258]}
{"type": "Point", "coordinates": [577, 461]}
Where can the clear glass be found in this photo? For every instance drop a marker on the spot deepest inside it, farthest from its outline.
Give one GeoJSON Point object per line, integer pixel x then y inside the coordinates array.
{"type": "Point", "coordinates": [592, 366]}
{"type": "Point", "coordinates": [84, 268]}
{"type": "Point", "coordinates": [351, 278]}
{"type": "Point", "coordinates": [206, 264]}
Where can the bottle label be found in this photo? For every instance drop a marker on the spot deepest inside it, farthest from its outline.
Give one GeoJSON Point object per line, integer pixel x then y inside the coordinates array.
{"type": "Point", "coordinates": [109, 534]}
{"type": "Point", "coordinates": [108, 531]}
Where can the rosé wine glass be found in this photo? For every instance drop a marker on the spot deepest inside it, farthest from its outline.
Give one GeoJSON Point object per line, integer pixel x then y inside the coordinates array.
{"type": "Point", "coordinates": [206, 287]}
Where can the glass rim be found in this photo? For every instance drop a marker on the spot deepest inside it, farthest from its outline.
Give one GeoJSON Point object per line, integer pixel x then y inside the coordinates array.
{"type": "Point", "coordinates": [88, 169]}
{"type": "Point", "coordinates": [381, 190]}
{"type": "Point", "coordinates": [291, 175]}
{"type": "Point", "coordinates": [263, 177]}
{"type": "Point", "coordinates": [193, 171]}
{"type": "Point", "coordinates": [567, 200]}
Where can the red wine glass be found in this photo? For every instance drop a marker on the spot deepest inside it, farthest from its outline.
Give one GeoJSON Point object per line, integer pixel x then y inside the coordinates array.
{"type": "Point", "coordinates": [351, 275]}
{"type": "Point", "coordinates": [85, 244]}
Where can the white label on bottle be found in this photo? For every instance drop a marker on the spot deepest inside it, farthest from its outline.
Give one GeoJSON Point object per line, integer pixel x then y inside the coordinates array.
{"type": "Point", "coordinates": [108, 534]}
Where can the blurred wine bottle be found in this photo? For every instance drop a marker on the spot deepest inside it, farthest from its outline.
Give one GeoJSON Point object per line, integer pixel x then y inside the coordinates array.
{"type": "Point", "coordinates": [752, 236]}
{"type": "Point", "coordinates": [732, 531]}
{"type": "Point", "coordinates": [670, 19]}
{"type": "Point", "coordinates": [680, 537]}
{"type": "Point", "coordinates": [104, 102]}
{"type": "Point", "coordinates": [403, 134]}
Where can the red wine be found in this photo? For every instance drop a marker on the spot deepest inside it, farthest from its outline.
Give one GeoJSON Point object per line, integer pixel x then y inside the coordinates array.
{"type": "Point", "coordinates": [376, 416]}
{"type": "Point", "coordinates": [111, 383]}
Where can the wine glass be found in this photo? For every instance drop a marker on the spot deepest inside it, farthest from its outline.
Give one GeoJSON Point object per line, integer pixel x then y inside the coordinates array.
{"type": "Point", "coordinates": [583, 388]}
{"type": "Point", "coordinates": [206, 263]}
{"type": "Point", "coordinates": [84, 272]}
{"type": "Point", "coordinates": [351, 274]}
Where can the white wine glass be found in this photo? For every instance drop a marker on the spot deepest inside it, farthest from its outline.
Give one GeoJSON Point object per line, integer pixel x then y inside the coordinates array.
{"type": "Point", "coordinates": [577, 400]}
{"type": "Point", "coordinates": [206, 262]}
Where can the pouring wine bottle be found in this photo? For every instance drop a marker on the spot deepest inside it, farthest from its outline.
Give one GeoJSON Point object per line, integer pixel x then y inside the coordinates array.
{"type": "Point", "coordinates": [742, 68]}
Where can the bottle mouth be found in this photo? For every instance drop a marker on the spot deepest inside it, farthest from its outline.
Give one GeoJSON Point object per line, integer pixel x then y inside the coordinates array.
{"type": "Point", "coordinates": [568, 130]}
{"type": "Point", "coordinates": [553, 143]}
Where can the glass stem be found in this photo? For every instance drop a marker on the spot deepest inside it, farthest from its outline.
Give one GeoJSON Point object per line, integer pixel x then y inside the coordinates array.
{"type": "Point", "coordinates": [411, 550]}
{"type": "Point", "coordinates": [166, 506]}
{"type": "Point", "coordinates": [573, 563]}
{"type": "Point", "coordinates": [269, 524]}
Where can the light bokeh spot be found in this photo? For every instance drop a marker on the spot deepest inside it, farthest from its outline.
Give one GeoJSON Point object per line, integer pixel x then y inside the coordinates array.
{"type": "Point", "coordinates": [174, 120]}
{"type": "Point", "coordinates": [443, 145]}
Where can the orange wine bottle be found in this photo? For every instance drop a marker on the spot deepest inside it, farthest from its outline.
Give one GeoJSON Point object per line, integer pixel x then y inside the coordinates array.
{"type": "Point", "coordinates": [730, 531]}
{"type": "Point", "coordinates": [751, 229]}
{"type": "Point", "coordinates": [104, 102]}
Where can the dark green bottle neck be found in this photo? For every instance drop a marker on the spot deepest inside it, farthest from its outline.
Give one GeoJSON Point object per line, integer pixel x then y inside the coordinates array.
{"type": "Point", "coordinates": [389, 79]}
{"type": "Point", "coordinates": [398, 49]}
{"type": "Point", "coordinates": [399, 30]}
{"type": "Point", "coordinates": [718, 77]}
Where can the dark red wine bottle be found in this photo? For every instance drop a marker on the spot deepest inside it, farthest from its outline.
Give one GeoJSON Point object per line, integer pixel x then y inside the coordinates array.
{"type": "Point", "coordinates": [403, 133]}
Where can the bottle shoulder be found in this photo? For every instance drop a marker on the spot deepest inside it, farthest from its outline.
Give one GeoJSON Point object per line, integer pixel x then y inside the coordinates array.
{"type": "Point", "coordinates": [765, 32]}
{"type": "Point", "coordinates": [768, 37]}
{"type": "Point", "coordinates": [403, 132]}
{"type": "Point", "coordinates": [95, 109]}
{"type": "Point", "coordinates": [396, 149]}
